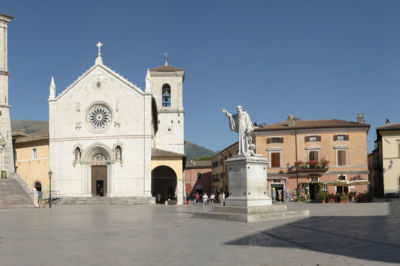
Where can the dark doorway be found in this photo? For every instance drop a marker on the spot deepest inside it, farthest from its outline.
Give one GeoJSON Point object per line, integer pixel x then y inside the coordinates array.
{"type": "Point", "coordinates": [100, 188]}
{"type": "Point", "coordinates": [314, 189]}
{"type": "Point", "coordinates": [278, 190]}
{"type": "Point", "coordinates": [99, 180]}
{"type": "Point", "coordinates": [163, 184]}
{"type": "Point", "coordinates": [38, 186]}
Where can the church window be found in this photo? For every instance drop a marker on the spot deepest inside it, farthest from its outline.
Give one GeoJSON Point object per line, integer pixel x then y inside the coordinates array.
{"type": "Point", "coordinates": [99, 116]}
{"type": "Point", "coordinates": [166, 95]}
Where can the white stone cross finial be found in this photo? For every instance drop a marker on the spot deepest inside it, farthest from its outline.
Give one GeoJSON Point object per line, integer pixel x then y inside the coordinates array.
{"type": "Point", "coordinates": [99, 60]}
{"type": "Point", "coordinates": [99, 45]}
{"type": "Point", "coordinates": [166, 58]}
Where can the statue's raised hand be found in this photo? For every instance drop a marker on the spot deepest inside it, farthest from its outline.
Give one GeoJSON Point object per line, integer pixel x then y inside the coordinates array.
{"type": "Point", "coordinates": [225, 111]}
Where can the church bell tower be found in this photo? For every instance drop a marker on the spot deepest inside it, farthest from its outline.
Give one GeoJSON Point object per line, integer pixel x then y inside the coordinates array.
{"type": "Point", "coordinates": [165, 84]}
{"type": "Point", "coordinates": [6, 149]}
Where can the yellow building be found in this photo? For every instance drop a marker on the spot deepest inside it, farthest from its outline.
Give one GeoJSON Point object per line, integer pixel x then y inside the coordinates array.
{"type": "Point", "coordinates": [31, 155]}
{"type": "Point", "coordinates": [167, 174]}
{"type": "Point", "coordinates": [220, 173]}
{"type": "Point", "coordinates": [387, 156]}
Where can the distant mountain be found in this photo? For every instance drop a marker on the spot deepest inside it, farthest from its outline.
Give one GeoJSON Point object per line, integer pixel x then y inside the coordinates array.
{"type": "Point", "coordinates": [193, 151]}
{"type": "Point", "coordinates": [30, 126]}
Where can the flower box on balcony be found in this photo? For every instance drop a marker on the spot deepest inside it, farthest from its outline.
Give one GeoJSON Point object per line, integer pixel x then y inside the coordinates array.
{"type": "Point", "coordinates": [308, 170]}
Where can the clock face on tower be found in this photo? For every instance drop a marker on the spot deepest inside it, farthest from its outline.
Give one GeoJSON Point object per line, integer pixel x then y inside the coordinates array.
{"type": "Point", "coordinates": [99, 116]}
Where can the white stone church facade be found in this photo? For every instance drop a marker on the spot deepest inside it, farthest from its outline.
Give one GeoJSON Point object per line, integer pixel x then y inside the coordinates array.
{"type": "Point", "coordinates": [110, 138]}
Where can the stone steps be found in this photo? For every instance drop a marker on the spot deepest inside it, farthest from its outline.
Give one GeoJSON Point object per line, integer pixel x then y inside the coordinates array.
{"type": "Point", "coordinates": [249, 218]}
{"type": "Point", "coordinates": [251, 214]}
{"type": "Point", "coordinates": [107, 201]}
{"type": "Point", "coordinates": [12, 195]}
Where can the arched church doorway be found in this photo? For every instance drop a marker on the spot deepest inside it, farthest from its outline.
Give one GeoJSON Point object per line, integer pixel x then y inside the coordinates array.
{"type": "Point", "coordinates": [99, 175]}
{"type": "Point", "coordinates": [163, 183]}
{"type": "Point", "coordinates": [99, 180]}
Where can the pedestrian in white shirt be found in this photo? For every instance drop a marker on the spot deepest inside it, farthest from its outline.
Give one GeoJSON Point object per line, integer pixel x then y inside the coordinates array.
{"type": "Point", "coordinates": [205, 198]}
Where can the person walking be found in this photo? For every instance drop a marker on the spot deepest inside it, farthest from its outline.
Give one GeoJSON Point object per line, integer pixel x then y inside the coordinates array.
{"type": "Point", "coordinates": [205, 198]}
{"type": "Point", "coordinates": [187, 199]}
{"type": "Point", "coordinates": [273, 195]}
{"type": "Point", "coordinates": [158, 198]}
{"type": "Point", "coordinates": [40, 197]}
{"type": "Point", "coordinates": [223, 198]}
{"type": "Point", "coordinates": [212, 198]}
{"type": "Point", "coordinates": [196, 198]}
{"type": "Point", "coordinates": [220, 198]}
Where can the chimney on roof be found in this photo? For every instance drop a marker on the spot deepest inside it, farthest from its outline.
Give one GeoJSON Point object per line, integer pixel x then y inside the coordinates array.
{"type": "Point", "coordinates": [291, 121]}
{"type": "Point", "coordinates": [360, 118]}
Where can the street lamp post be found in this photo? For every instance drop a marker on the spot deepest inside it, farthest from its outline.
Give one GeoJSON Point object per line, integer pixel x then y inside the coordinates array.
{"type": "Point", "coordinates": [50, 174]}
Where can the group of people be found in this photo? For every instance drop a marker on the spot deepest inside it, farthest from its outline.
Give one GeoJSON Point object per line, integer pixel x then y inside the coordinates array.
{"type": "Point", "coordinates": [205, 199]}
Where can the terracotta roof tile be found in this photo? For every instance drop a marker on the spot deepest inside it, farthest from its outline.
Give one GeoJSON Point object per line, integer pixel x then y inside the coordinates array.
{"type": "Point", "coordinates": [306, 124]}
{"type": "Point", "coordinates": [163, 153]}
{"type": "Point", "coordinates": [40, 135]}
{"type": "Point", "coordinates": [389, 127]}
{"type": "Point", "coordinates": [198, 164]}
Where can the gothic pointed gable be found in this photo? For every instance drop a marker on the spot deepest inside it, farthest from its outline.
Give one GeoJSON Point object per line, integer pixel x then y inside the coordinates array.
{"type": "Point", "coordinates": [108, 72]}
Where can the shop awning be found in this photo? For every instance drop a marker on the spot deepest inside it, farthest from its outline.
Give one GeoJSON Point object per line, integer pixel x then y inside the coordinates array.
{"type": "Point", "coordinates": [346, 183]}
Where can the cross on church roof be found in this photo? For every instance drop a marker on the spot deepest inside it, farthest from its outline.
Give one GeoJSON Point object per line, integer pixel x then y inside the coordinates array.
{"type": "Point", "coordinates": [99, 45]}
{"type": "Point", "coordinates": [166, 58]}
{"type": "Point", "coordinates": [99, 60]}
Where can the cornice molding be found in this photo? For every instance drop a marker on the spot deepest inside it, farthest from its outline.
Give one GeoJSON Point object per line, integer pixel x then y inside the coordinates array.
{"type": "Point", "coordinates": [4, 72]}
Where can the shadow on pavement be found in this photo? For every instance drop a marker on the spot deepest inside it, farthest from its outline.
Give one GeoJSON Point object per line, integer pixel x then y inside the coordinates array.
{"type": "Point", "coordinates": [365, 237]}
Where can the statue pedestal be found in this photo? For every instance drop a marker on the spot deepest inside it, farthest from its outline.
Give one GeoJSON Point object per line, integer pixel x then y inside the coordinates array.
{"type": "Point", "coordinates": [247, 181]}
{"type": "Point", "coordinates": [248, 200]}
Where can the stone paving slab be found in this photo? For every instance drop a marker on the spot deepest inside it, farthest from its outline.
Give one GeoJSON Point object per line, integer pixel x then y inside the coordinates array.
{"type": "Point", "coordinates": [167, 235]}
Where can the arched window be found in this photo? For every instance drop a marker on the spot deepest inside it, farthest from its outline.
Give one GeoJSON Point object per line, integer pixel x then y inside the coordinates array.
{"type": "Point", "coordinates": [166, 95]}
{"type": "Point", "coordinates": [38, 186]}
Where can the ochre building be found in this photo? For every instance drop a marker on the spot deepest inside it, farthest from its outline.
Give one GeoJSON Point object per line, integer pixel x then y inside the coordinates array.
{"type": "Point", "coordinates": [306, 156]}
{"type": "Point", "coordinates": [31, 155]}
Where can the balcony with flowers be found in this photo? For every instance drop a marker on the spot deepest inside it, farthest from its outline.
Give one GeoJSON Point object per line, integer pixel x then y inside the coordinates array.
{"type": "Point", "coordinates": [310, 166]}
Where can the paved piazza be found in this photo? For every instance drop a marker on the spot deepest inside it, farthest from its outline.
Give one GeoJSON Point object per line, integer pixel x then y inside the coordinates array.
{"type": "Point", "coordinates": [335, 234]}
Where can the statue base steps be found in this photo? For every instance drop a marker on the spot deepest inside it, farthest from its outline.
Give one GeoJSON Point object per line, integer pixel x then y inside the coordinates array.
{"type": "Point", "coordinates": [248, 199]}
{"type": "Point", "coordinates": [251, 214]}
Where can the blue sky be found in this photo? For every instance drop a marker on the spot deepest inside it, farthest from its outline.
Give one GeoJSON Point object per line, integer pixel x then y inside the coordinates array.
{"type": "Point", "coordinates": [314, 59]}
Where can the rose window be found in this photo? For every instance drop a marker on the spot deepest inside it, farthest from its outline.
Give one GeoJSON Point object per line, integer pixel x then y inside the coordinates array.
{"type": "Point", "coordinates": [99, 116]}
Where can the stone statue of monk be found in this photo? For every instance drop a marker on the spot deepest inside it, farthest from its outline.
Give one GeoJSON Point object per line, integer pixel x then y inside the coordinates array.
{"type": "Point", "coordinates": [241, 123]}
